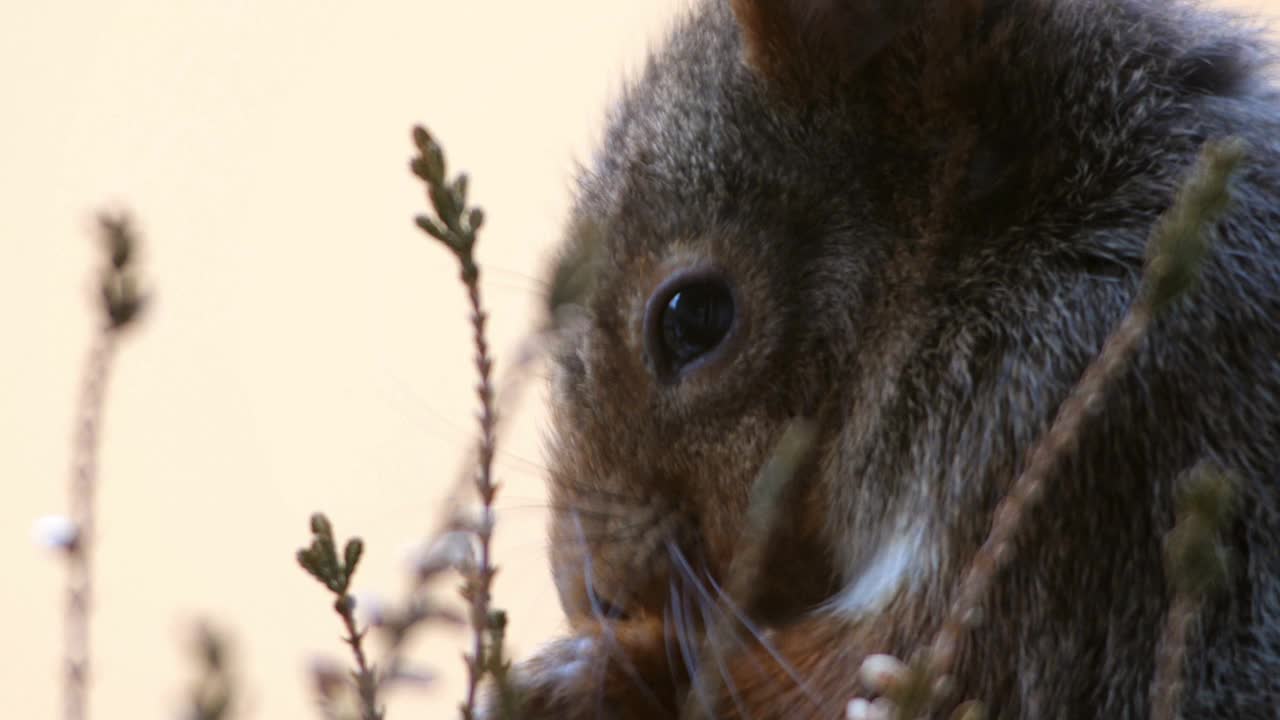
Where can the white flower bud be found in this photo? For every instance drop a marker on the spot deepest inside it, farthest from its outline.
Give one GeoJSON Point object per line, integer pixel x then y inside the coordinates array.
{"type": "Point", "coordinates": [882, 673]}
{"type": "Point", "coordinates": [862, 709]}
{"type": "Point", "coordinates": [57, 532]}
{"type": "Point", "coordinates": [858, 709]}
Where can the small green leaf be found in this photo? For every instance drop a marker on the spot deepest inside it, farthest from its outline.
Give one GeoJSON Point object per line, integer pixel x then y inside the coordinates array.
{"type": "Point", "coordinates": [307, 560]}
{"type": "Point", "coordinates": [459, 190]}
{"type": "Point", "coordinates": [321, 558]}
{"type": "Point", "coordinates": [321, 527]}
{"type": "Point", "coordinates": [1181, 240]}
{"type": "Point", "coordinates": [432, 166]}
{"type": "Point", "coordinates": [1197, 559]}
{"type": "Point", "coordinates": [433, 228]}
{"type": "Point", "coordinates": [421, 138]}
{"type": "Point", "coordinates": [117, 235]}
{"type": "Point", "coordinates": [418, 167]}
{"type": "Point", "coordinates": [351, 555]}
{"type": "Point", "coordinates": [475, 219]}
{"type": "Point", "coordinates": [445, 205]}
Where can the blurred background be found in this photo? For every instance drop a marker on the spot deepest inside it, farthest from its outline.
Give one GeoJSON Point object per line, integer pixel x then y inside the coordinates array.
{"type": "Point", "coordinates": [306, 348]}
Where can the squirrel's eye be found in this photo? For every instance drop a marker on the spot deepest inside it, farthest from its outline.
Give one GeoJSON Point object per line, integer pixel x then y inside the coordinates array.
{"type": "Point", "coordinates": [689, 319]}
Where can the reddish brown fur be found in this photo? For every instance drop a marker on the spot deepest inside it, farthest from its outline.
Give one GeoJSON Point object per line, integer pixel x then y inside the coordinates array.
{"type": "Point", "coordinates": [806, 47]}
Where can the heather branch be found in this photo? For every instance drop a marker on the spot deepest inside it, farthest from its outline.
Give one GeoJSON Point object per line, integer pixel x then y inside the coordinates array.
{"type": "Point", "coordinates": [76, 652]}
{"type": "Point", "coordinates": [122, 302]}
{"type": "Point", "coordinates": [455, 225]}
{"type": "Point", "coordinates": [1196, 564]}
{"type": "Point", "coordinates": [1177, 249]}
{"type": "Point", "coordinates": [322, 562]}
{"type": "Point", "coordinates": [212, 695]}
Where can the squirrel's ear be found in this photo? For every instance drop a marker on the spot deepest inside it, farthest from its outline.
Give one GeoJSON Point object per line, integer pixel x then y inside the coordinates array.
{"type": "Point", "coordinates": [799, 40]}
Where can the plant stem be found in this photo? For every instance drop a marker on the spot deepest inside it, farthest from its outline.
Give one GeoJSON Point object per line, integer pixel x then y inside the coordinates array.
{"type": "Point", "coordinates": [485, 487]}
{"type": "Point", "coordinates": [996, 552]}
{"type": "Point", "coordinates": [366, 680]}
{"type": "Point", "coordinates": [79, 593]}
{"type": "Point", "coordinates": [1167, 687]}
{"type": "Point", "coordinates": [1177, 248]}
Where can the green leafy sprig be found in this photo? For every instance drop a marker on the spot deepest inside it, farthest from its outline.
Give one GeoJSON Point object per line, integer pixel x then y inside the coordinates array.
{"type": "Point", "coordinates": [455, 225]}
{"type": "Point", "coordinates": [321, 560]}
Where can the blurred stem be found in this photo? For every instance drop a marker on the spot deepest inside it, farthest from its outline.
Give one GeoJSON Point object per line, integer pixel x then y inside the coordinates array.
{"type": "Point", "coordinates": [84, 475]}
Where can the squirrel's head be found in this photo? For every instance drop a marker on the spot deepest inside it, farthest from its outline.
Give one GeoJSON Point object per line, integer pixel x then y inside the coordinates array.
{"type": "Point", "coordinates": [874, 216]}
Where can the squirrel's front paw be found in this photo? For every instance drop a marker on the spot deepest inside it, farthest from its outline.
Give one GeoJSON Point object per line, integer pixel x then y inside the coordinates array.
{"type": "Point", "coordinates": [614, 672]}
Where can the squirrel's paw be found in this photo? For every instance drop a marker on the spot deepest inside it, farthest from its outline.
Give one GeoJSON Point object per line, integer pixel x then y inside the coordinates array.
{"type": "Point", "coordinates": [614, 673]}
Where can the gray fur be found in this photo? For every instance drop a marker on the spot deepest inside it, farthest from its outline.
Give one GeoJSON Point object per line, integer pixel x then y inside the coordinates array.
{"type": "Point", "coordinates": [931, 249]}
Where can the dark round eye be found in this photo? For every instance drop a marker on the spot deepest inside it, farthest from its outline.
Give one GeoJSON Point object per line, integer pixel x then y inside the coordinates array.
{"type": "Point", "coordinates": [693, 319]}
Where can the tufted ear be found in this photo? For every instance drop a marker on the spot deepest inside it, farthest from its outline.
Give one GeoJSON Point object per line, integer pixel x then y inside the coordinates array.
{"type": "Point", "coordinates": [799, 40]}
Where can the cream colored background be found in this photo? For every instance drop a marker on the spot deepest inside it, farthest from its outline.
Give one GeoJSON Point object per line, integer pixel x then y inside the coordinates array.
{"type": "Point", "coordinates": [307, 347]}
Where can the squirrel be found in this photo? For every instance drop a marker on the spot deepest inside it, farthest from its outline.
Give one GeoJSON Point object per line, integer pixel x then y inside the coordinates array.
{"type": "Point", "coordinates": [911, 225]}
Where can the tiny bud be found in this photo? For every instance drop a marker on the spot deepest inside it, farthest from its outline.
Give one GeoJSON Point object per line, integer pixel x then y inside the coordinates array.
{"type": "Point", "coordinates": [421, 138]}
{"type": "Point", "coordinates": [459, 189]}
{"type": "Point", "coordinates": [970, 710]}
{"type": "Point", "coordinates": [444, 202]}
{"type": "Point", "coordinates": [320, 525]}
{"type": "Point", "coordinates": [858, 709]}
{"type": "Point", "coordinates": [882, 673]}
{"type": "Point", "coordinates": [432, 228]}
{"type": "Point", "coordinates": [432, 166]}
{"type": "Point", "coordinates": [56, 532]}
{"type": "Point", "coordinates": [418, 167]}
{"type": "Point", "coordinates": [351, 554]}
